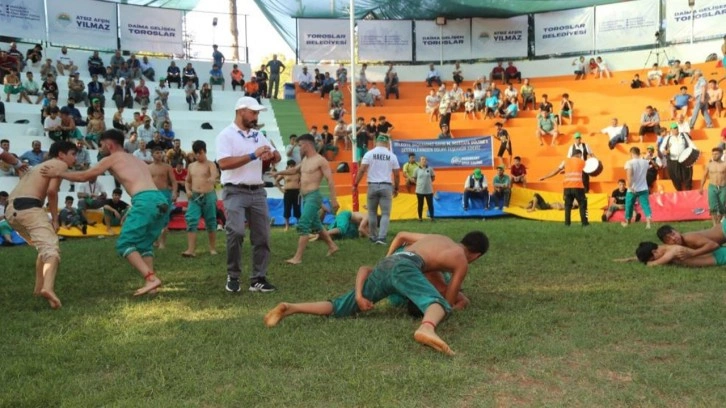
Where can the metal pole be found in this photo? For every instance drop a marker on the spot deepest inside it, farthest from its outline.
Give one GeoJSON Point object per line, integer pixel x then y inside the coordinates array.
{"type": "Point", "coordinates": [353, 104]}
{"type": "Point", "coordinates": [247, 47]}
{"type": "Point", "coordinates": [693, 21]}
{"type": "Point", "coordinates": [441, 45]}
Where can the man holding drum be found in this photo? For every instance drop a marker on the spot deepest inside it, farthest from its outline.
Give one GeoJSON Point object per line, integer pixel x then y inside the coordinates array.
{"type": "Point", "coordinates": [681, 154]}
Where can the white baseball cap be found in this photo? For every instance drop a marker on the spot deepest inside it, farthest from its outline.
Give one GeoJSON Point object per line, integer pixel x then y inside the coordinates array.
{"type": "Point", "coordinates": [247, 102]}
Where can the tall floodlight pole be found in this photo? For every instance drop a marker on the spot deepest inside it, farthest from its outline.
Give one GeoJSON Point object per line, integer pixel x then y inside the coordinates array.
{"type": "Point", "coordinates": [353, 104]}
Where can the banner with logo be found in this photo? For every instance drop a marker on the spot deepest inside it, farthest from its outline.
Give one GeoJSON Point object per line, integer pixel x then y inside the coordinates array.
{"type": "Point", "coordinates": [499, 38]}
{"type": "Point", "coordinates": [83, 22]}
{"type": "Point", "coordinates": [456, 37]}
{"type": "Point", "coordinates": [709, 15]}
{"type": "Point", "coordinates": [323, 39]}
{"type": "Point", "coordinates": [22, 19]}
{"type": "Point", "coordinates": [385, 40]}
{"type": "Point", "coordinates": [626, 24]}
{"type": "Point", "coordinates": [151, 29]}
{"type": "Point", "coordinates": [564, 31]}
{"type": "Point", "coordinates": [442, 153]}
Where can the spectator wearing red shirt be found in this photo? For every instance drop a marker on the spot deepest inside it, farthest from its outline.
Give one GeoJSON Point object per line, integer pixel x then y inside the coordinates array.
{"type": "Point", "coordinates": [519, 172]}
{"type": "Point", "coordinates": [180, 175]}
{"type": "Point", "coordinates": [7, 62]}
{"type": "Point", "coordinates": [511, 72]}
{"type": "Point", "coordinates": [497, 73]}
{"type": "Point", "coordinates": [142, 93]}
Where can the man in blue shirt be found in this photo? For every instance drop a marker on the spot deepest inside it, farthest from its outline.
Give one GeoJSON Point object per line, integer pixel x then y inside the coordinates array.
{"type": "Point", "coordinates": [276, 68]}
{"type": "Point", "coordinates": [680, 101]}
{"type": "Point", "coordinates": [35, 156]}
{"type": "Point", "coordinates": [218, 57]}
{"type": "Point", "coordinates": [215, 76]}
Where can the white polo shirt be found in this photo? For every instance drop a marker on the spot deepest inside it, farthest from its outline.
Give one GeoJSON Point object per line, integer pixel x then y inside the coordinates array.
{"type": "Point", "coordinates": [381, 162]}
{"type": "Point", "coordinates": [234, 142]}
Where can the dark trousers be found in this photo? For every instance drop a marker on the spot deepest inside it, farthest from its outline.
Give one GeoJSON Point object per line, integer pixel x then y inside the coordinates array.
{"type": "Point", "coordinates": [392, 90]}
{"type": "Point", "coordinates": [263, 89]}
{"type": "Point", "coordinates": [586, 181]}
{"type": "Point", "coordinates": [432, 80]}
{"type": "Point", "coordinates": [445, 119]}
{"type": "Point", "coordinates": [651, 176]}
{"type": "Point", "coordinates": [500, 198]}
{"type": "Point", "coordinates": [236, 84]}
{"type": "Point", "coordinates": [429, 203]}
{"type": "Point", "coordinates": [176, 80]}
{"type": "Point", "coordinates": [649, 129]}
{"type": "Point", "coordinates": [570, 195]}
{"type": "Point", "coordinates": [483, 195]}
{"type": "Point", "coordinates": [291, 203]}
{"type": "Point", "coordinates": [680, 175]}
{"type": "Point", "coordinates": [517, 76]}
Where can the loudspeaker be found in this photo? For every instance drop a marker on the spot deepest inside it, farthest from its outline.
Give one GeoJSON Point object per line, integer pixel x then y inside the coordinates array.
{"type": "Point", "coordinates": [691, 3]}
{"type": "Point", "coordinates": [214, 21]}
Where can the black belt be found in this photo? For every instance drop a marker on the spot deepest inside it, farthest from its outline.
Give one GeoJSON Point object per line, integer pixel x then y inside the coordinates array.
{"type": "Point", "coordinates": [250, 187]}
{"type": "Point", "coordinates": [26, 203]}
{"type": "Point", "coordinates": [382, 182]}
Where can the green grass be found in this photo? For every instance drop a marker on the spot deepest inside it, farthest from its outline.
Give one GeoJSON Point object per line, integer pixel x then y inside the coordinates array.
{"type": "Point", "coordinates": [553, 322]}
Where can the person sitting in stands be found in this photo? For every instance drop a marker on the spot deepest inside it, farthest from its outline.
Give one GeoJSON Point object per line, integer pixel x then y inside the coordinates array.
{"type": "Point", "coordinates": [674, 74]}
{"type": "Point", "coordinates": [205, 97]}
{"type": "Point", "coordinates": [566, 109]}
{"type": "Point", "coordinates": [147, 69]}
{"type": "Point", "coordinates": [305, 80]}
{"type": "Point", "coordinates": [602, 68]}
{"type": "Point", "coordinates": [445, 132]}
{"type": "Point", "coordinates": [391, 83]}
{"type": "Point", "coordinates": [432, 105]}
{"type": "Point", "coordinates": [142, 92]}
{"type": "Point", "coordinates": [656, 75]}
{"type": "Point", "coordinates": [497, 73]}
{"type": "Point", "coordinates": [190, 90]}
{"type": "Point", "coordinates": [511, 72]}
{"type": "Point", "coordinates": [114, 211]}
{"type": "Point", "coordinates": [71, 217]}
{"type": "Point", "coordinates": [374, 95]}
{"type": "Point", "coordinates": [190, 74]}
{"type": "Point", "coordinates": [518, 172]}
{"type": "Point", "coordinates": [341, 74]}
{"type": "Point", "coordinates": [528, 95]}
{"type": "Point", "coordinates": [616, 133]}
{"type": "Point", "coordinates": [327, 85]}
{"type": "Point", "coordinates": [122, 95]}
{"type": "Point", "coordinates": [546, 125]}
{"type": "Point", "coordinates": [361, 94]}
{"type": "Point", "coordinates": [580, 69]}
{"type": "Point", "coordinates": [252, 89]}
{"type": "Point", "coordinates": [476, 187]}
{"type": "Point", "coordinates": [433, 76]}
{"type": "Point", "coordinates": [238, 78]}
{"type": "Point", "coordinates": [679, 102]}
{"type": "Point", "coordinates": [637, 83]}
{"type": "Point", "coordinates": [173, 75]}
{"type": "Point", "coordinates": [617, 202]}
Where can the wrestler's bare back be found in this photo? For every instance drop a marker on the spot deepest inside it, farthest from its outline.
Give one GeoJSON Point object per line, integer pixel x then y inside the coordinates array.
{"type": "Point", "coordinates": [440, 253]}
{"type": "Point", "coordinates": [132, 172]}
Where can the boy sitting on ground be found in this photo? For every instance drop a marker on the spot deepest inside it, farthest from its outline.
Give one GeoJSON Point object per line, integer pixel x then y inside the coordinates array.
{"type": "Point", "coordinates": [114, 211]}
{"type": "Point", "coordinates": [71, 217]}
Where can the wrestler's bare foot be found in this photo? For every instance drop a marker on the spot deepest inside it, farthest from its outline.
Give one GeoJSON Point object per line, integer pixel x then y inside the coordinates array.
{"type": "Point", "coordinates": [428, 337]}
{"type": "Point", "coordinates": [332, 250]}
{"type": "Point", "coordinates": [109, 231]}
{"type": "Point", "coordinates": [152, 283]}
{"type": "Point", "coordinates": [314, 237]}
{"type": "Point", "coordinates": [273, 317]}
{"type": "Point", "coordinates": [53, 300]}
{"type": "Point", "coordinates": [293, 261]}
{"type": "Point", "coordinates": [212, 252]}
{"type": "Point", "coordinates": [624, 224]}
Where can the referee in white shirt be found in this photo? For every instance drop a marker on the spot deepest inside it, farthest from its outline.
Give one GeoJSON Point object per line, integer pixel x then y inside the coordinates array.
{"type": "Point", "coordinates": [379, 163]}
{"type": "Point", "coordinates": [241, 149]}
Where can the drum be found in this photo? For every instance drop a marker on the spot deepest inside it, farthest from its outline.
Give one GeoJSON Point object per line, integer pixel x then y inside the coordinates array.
{"type": "Point", "coordinates": [593, 167]}
{"type": "Point", "coordinates": [689, 156]}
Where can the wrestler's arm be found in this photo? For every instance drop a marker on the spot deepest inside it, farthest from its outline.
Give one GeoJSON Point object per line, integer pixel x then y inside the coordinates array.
{"type": "Point", "coordinates": [437, 280]}
{"type": "Point", "coordinates": [363, 230]}
{"type": "Point", "coordinates": [699, 245]}
{"type": "Point", "coordinates": [667, 258]}
{"type": "Point", "coordinates": [287, 172]}
{"type": "Point", "coordinates": [360, 279]}
{"type": "Point", "coordinates": [86, 175]}
{"type": "Point", "coordinates": [402, 238]}
{"type": "Point", "coordinates": [172, 182]}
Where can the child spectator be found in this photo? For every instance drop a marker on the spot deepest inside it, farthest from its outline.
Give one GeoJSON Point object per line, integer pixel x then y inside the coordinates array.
{"type": "Point", "coordinates": [114, 211]}
{"type": "Point", "coordinates": [637, 83]}
{"type": "Point", "coordinates": [71, 217]}
{"type": "Point", "coordinates": [237, 78]}
{"type": "Point", "coordinates": [190, 90]}
{"type": "Point", "coordinates": [291, 194]}
{"type": "Point", "coordinates": [96, 126]}
{"type": "Point", "coordinates": [518, 172]}
{"type": "Point", "coordinates": [432, 106]}
{"type": "Point", "coordinates": [679, 102]}
{"type": "Point", "coordinates": [199, 185]}
{"type": "Point", "coordinates": [656, 75]}
{"type": "Point", "coordinates": [566, 109]}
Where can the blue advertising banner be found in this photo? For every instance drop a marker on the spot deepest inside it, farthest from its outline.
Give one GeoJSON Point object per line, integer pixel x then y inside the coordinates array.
{"type": "Point", "coordinates": [442, 153]}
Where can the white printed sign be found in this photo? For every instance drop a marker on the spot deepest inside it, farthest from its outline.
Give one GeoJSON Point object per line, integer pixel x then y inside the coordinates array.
{"type": "Point", "coordinates": [151, 29]}
{"type": "Point", "coordinates": [83, 22]}
{"type": "Point", "coordinates": [22, 19]}
{"type": "Point", "coordinates": [564, 31]}
{"type": "Point", "coordinates": [385, 40]}
{"type": "Point", "coordinates": [499, 38]}
{"type": "Point", "coordinates": [454, 38]}
{"type": "Point", "coordinates": [320, 40]}
{"type": "Point", "coordinates": [710, 16]}
{"type": "Point", "coordinates": [626, 24]}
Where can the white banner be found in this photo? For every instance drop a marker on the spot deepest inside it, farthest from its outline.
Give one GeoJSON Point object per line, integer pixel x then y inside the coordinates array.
{"type": "Point", "coordinates": [151, 29]}
{"type": "Point", "coordinates": [22, 19]}
{"type": "Point", "coordinates": [710, 16]}
{"type": "Point", "coordinates": [564, 31]}
{"type": "Point", "coordinates": [320, 40]}
{"type": "Point", "coordinates": [626, 24]}
{"type": "Point", "coordinates": [499, 38]}
{"type": "Point", "coordinates": [456, 40]}
{"type": "Point", "coordinates": [385, 40]}
{"type": "Point", "coordinates": [83, 22]}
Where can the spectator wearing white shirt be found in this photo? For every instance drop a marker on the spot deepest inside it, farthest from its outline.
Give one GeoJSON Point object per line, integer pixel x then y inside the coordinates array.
{"type": "Point", "coordinates": [379, 164]}
{"type": "Point", "coordinates": [432, 105]}
{"type": "Point", "coordinates": [636, 170]}
{"type": "Point", "coordinates": [433, 76]}
{"type": "Point", "coordinates": [476, 186]}
{"type": "Point", "coordinates": [602, 68]}
{"type": "Point", "coordinates": [64, 62]}
{"type": "Point", "coordinates": [672, 146]}
{"type": "Point", "coordinates": [683, 126]}
{"type": "Point", "coordinates": [305, 80]}
{"type": "Point", "coordinates": [656, 75]}
{"type": "Point", "coordinates": [143, 153]}
{"type": "Point", "coordinates": [374, 95]}
{"type": "Point", "coordinates": [146, 132]}
{"type": "Point", "coordinates": [616, 133]}
{"type": "Point", "coordinates": [91, 194]}
{"type": "Point", "coordinates": [146, 68]}
{"type": "Point", "coordinates": [162, 93]}
{"type": "Point", "coordinates": [511, 92]}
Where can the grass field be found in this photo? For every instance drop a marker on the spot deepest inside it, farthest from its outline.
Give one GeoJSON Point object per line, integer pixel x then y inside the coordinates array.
{"type": "Point", "coordinates": [553, 322]}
